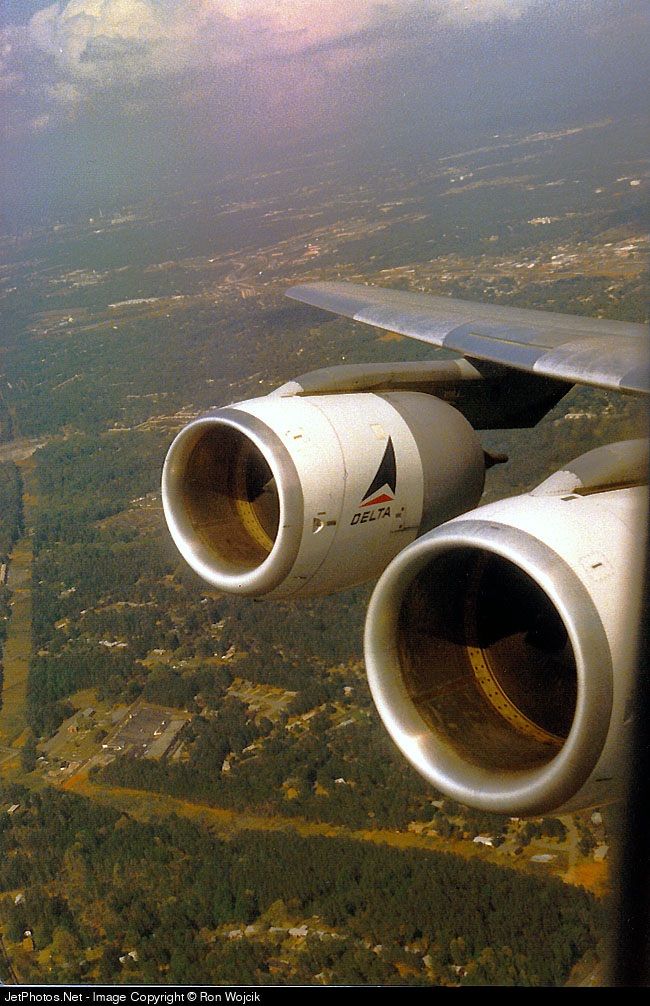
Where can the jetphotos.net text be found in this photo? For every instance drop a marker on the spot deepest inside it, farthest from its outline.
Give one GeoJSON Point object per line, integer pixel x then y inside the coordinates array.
{"type": "Point", "coordinates": [27, 997]}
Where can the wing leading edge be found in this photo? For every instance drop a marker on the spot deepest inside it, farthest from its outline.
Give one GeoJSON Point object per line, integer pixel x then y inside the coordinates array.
{"type": "Point", "coordinates": [598, 352]}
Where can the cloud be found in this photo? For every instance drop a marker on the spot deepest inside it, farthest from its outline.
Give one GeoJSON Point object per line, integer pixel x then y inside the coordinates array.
{"type": "Point", "coordinates": [102, 40]}
{"type": "Point", "coordinates": [108, 41]}
{"type": "Point", "coordinates": [112, 46]}
{"type": "Point", "coordinates": [206, 75]}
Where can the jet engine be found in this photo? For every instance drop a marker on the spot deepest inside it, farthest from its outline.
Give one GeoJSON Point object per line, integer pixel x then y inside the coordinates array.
{"type": "Point", "coordinates": [500, 648]}
{"type": "Point", "coordinates": [298, 496]}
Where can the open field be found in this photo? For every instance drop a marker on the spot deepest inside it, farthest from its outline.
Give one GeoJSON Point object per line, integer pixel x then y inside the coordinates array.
{"type": "Point", "coordinates": [17, 649]}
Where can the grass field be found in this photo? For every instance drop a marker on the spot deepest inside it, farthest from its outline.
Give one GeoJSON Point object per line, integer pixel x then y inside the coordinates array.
{"type": "Point", "coordinates": [17, 649]}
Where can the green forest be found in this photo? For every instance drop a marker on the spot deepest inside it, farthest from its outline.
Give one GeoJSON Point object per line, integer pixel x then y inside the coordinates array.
{"type": "Point", "coordinates": [167, 902]}
{"type": "Point", "coordinates": [11, 528]}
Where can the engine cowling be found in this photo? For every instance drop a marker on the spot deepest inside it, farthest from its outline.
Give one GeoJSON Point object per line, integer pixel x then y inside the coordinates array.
{"type": "Point", "coordinates": [500, 648]}
{"type": "Point", "coordinates": [299, 496]}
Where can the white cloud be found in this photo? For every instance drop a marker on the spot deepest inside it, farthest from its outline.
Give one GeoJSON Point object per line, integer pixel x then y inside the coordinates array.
{"type": "Point", "coordinates": [100, 38]}
{"type": "Point", "coordinates": [73, 51]}
{"type": "Point", "coordinates": [70, 52]}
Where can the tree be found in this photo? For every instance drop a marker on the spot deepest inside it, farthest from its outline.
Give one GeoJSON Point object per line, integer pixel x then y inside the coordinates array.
{"type": "Point", "coordinates": [29, 753]}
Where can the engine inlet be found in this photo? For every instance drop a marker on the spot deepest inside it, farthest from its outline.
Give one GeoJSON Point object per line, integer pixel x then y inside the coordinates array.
{"type": "Point", "coordinates": [230, 497]}
{"type": "Point", "coordinates": [487, 661]}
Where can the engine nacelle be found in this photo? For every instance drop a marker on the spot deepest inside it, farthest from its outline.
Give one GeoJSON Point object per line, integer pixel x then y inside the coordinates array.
{"type": "Point", "coordinates": [500, 648]}
{"type": "Point", "coordinates": [287, 496]}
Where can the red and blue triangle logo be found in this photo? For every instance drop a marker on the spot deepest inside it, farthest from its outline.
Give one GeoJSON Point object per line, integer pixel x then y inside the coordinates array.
{"type": "Point", "coordinates": [383, 486]}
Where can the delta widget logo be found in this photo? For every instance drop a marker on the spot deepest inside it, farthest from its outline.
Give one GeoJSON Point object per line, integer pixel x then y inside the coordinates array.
{"type": "Point", "coordinates": [375, 504]}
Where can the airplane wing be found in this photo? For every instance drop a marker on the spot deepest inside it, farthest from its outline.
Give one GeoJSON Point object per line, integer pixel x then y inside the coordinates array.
{"type": "Point", "coordinates": [598, 352]}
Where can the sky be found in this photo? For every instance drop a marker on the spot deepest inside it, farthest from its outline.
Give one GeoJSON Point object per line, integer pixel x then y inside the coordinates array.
{"type": "Point", "coordinates": [102, 100]}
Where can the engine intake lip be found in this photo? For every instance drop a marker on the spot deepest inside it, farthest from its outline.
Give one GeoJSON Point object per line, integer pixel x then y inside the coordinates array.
{"type": "Point", "coordinates": [231, 556]}
{"type": "Point", "coordinates": [534, 788]}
